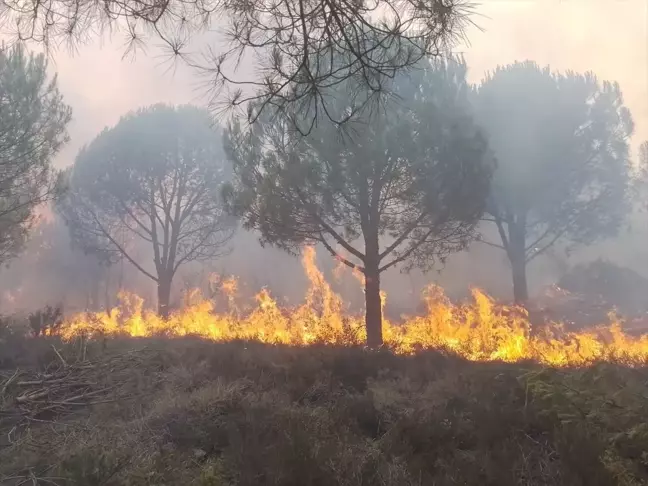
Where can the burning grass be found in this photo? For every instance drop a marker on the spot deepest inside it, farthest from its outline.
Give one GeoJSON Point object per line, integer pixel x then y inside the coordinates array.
{"type": "Point", "coordinates": [153, 411]}
{"type": "Point", "coordinates": [283, 397]}
{"type": "Point", "coordinates": [481, 330]}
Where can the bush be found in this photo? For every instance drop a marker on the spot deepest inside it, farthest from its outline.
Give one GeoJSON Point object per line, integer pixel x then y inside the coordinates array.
{"type": "Point", "coordinates": [46, 321]}
{"type": "Point", "coordinates": [186, 411]}
{"type": "Point", "coordinates": [605, 285]}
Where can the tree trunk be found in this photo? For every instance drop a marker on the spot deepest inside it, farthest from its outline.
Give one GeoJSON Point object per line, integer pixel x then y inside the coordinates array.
{"type": "Point", "coordinates": [164, 296]}
{"type": "Point", "coordinates": [517, 257]}
{"type": "Point", "coordinates": [107, 289]}
{"type": "Point", "coordinates": [520, 290]}
{"type": "Point", "coordinates": [373, 315]}
{"type": "Point", "coordinates": [93, 301]}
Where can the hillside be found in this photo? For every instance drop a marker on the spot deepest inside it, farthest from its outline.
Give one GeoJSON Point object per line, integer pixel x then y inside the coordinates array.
{"type": "Point", "coordinates": [185, 411]}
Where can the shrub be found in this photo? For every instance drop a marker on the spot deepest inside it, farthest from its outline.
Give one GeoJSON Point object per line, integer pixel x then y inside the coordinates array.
{"type": "Point", "coordinates": [186, 411]}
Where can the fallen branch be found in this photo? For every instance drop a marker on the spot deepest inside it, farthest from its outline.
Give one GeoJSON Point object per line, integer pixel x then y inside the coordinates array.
{"type": "Point", "coordinates": [53, 382]}
{"type": "Point", "coordinates": [59, 355]}
{"type": "Point", "coordinates": [43, 381]}
{"type": "Point", "coordinates": [8, 382]}
{"type": "Point", "coordinates": [32, 396]}
{"type": "Point", "coordinates": [29, 397]}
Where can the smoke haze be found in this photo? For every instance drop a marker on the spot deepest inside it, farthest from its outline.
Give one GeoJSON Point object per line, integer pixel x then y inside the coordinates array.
{"type": "Point", "coordinates": [609, 38]}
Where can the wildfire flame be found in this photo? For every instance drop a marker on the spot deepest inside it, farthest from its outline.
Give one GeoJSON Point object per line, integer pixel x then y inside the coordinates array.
{"type": "Point", "coordinates": [481, 330]}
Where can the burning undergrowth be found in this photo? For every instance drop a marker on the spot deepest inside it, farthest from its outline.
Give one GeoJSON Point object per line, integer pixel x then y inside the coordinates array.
{"type": "Point", "coordinates": [481, 330]}
{"type": "Point", "coordinates": [276, 396]}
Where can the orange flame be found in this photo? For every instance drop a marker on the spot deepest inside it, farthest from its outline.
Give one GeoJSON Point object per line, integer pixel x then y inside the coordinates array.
{"type": "Point", "coordinates": [480, 330]}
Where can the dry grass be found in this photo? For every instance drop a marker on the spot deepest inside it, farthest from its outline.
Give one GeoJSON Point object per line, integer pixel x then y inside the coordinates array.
{"type": "Point", "coordinates": [191, 412]}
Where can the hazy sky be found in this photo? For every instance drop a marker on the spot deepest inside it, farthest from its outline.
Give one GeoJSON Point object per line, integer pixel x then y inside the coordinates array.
{"type": "Point", "coordinates": [608, 37]}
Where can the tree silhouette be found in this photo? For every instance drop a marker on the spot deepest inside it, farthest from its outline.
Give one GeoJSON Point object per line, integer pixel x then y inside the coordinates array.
{"type": "Point", "coordinates": [33, 121]}
{"type": "Point", "coordinates": [561, 142]}
{"type": "Point", "coordinates": [154, 179]}
{"type": "Point", "coordinates": [292, 43]}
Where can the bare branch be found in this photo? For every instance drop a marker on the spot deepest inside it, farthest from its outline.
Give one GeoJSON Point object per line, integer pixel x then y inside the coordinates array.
{"type": "Point", "coordinates": [337, 256]}
{"type": "Point", "coordinates": [121, 249]}
{"type": "Point", "coordinates": [490, 243]}
{"type": "Point", "coordinates": [406, 254]}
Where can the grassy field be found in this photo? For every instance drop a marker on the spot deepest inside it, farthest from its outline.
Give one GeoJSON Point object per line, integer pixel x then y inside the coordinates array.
{"type": "Point", "coordinates": [192, 412]}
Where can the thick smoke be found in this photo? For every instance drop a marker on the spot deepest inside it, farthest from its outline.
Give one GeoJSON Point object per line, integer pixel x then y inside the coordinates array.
{"type": "Point", "coordinates": [101, 86]}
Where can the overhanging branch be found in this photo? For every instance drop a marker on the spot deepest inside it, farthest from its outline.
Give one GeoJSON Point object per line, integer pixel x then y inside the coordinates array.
{"type": "Point", "coordinates": [490, 243]}
{"type": "Point", "coordinates": [337, 256]}
{"type": "Point", "coordinates": [329, 229]}
{"type": "Point", "coordinates": [121, 250]}
{"type": "Point", "coordinates": [402, 237]}
{"type": "Point", "coordinates": [406, 254]}
{"type": "Point", "coordinates": [544, 248]}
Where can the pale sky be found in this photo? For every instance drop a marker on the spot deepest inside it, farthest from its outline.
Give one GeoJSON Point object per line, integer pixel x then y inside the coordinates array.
{"type": "Point", "coordinates": [608, 37]}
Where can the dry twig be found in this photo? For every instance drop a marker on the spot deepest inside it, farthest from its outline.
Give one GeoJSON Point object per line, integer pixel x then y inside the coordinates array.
{"type": "Point", "coordinates": [32, 396]}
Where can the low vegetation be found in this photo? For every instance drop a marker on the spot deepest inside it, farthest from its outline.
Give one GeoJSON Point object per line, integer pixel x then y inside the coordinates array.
{"type": "Point", "coordinates": [154, 411]}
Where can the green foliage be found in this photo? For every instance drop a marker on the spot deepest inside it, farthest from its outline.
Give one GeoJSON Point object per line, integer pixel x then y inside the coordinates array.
{"type": "Point", "coordinates": [605, 403]}
{"type": "Point", "coordinates": [408, 188]}
{"type": "Point", "coordinates": [416, 174]}
{"type": "Point", "coordinates": [33, 121]}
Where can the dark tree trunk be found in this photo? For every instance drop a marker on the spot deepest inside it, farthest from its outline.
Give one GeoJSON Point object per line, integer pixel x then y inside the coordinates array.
{"type": "Point", "coordinates": [520, 290]}
{"type": "Point", "coordinates": [107, 289]}
{"type": "Point", "coordinates": [373, 309]}
{"type": "Point", "coordinates": [517, 257]}
{"type": "Point", "coordinates": [164, 296]}
{"type": "Point", "coordinates": [92, 297]}
{"type": "Point", "coordinates": [373, 316]}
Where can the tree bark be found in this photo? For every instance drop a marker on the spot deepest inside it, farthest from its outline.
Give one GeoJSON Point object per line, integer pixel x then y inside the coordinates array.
{"type": "Point", "coordinates": [520, 289]}
{"type": "Point", "coordinates": [164, 296]}
{"type": "Point", "coordinates": [373, 315]}
{"type": "Point", "coordinates": [517, 257]}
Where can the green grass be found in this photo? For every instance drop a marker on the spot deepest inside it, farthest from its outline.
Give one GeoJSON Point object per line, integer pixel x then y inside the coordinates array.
{"type": "Point", "coordinates": [190, 412]}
